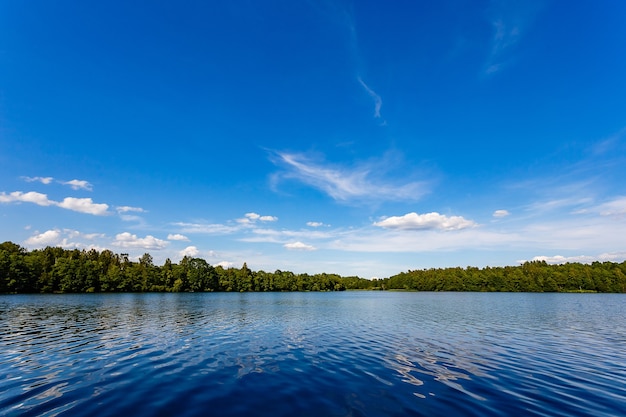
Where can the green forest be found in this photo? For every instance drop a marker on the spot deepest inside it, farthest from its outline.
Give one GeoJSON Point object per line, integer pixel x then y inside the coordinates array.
{"type": "Point", "coordinates": [58, 270]}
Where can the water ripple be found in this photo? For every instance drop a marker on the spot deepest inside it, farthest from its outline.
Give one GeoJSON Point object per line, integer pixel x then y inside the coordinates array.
{"type": "Point", "coordinates": [352, 354]}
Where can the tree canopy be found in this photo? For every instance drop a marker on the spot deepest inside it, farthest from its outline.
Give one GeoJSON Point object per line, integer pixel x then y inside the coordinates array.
{"type": "Point", "coordinates": [58, 270]}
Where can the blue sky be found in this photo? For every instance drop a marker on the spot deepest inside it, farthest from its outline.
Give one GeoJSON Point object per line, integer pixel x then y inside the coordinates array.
{"type": "Point", "coordinates": [360, 138]}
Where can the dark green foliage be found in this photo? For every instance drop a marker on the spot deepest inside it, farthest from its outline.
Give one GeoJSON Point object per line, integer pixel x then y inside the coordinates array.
{"type": "Point", "coordinates": [59, 270]}
{"type": "Point", "coordinates": [536, 276]}
{"type": "Point", "coordinates": [52, 270]}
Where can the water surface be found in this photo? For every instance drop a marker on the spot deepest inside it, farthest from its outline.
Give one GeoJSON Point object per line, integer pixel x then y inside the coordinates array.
{"type": "Point", "coordinates": [313, 354]}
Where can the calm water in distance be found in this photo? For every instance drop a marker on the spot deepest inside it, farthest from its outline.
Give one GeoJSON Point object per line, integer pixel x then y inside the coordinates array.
{"type": "Point", "coordinates": [313, 354]}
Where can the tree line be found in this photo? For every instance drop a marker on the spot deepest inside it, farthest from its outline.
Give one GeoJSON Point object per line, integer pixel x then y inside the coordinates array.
{"type": "Point", "coordinates": [535, 276]}
{"type": "Point", "coordinates": [54, 270]}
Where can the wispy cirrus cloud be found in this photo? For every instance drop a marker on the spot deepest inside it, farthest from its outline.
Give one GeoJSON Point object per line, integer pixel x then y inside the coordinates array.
{"type": "Point", "coordinates": [250, 221]}
{"type": "Point", "coordinates": [283, 236]}
{"type": "Point", "coordinates": [364, 182]}
{"type": "Point", "coordinates": [427, 221]}
{"type": "Point", "coordinates": [510, 20]}
{"type": "Point", "coordinates": [378, 102]}
{"type": "Point", "coordinates": [206, 228]}
{"type": "Point", "coordinates": [614, 207]}
{"type": "Point", "coordinates": [127, 209]}
{"type": "Point", "coordinates": [124, 213]}
{"type": "Point", "coordinates": [81, 205]}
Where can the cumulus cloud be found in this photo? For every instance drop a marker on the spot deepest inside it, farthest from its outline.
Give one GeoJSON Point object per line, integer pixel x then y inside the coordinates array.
{"type": "Point", "coordinates": [81, 205]}
{"type": "Point", "coordinates": [29, 197]}
{"type": "Point", "coordinates": [79, 185]}
{"type": "Point", "coordinates": [84, 205]}
{"type": "Point", "coordinates": [299, 246]}
{"type": "Point", "coordinates": [250, 218]}
{"type": "Point", "coordinates": [127, 240]}
{"type": "Point", "coordinates": [500, 213]}
{"type": "Point", "coordinates": [178, 237]}
{"type": "Point", "coordinates": [225, 264]}
{"type": "Point", "coordinates": [363, 182]}
{"type": "Point", "coordinates": [428, 221]}
{"type": "Point", "coordinates": [47, 238]}
{"type": "Point", "coordinates": [43, 180]}
{"type": "Point", "coordinates": [314, 224]}
{"type": "Point", "coordinates": [66, 238]}
{"type": "Point", "coordinates": [190, 251]}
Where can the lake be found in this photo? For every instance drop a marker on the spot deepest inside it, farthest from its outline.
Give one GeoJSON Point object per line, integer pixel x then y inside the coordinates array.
{"type": "Point", "coordinates": [313, 354]}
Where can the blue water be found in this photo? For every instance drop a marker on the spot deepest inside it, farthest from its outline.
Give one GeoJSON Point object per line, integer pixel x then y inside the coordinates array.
{"type": "Point", "coordinates": [313, 354]}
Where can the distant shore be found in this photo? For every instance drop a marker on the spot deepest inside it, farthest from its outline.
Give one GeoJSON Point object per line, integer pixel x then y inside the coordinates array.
{"type": "Point", "coordinates": [58, 270]}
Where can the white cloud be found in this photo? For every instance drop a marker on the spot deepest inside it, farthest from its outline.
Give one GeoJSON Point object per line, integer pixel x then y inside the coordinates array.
{"type": "Point", "coordinates": [556, 204]}
{"type": "Point", "coordinates": [126, 209]}
{"type": "Point", "coordinates": [586, 259]}
{"type": "Point", "coordinates": [286, 236]}
{"type": "Point", "coordinates": [299, 246]}
{"type": "Point", "coordinates": [363, 182]}
{"type": "Point", "coordinates": [47, 238]}
{"type": "Point", "coordinates": [190, 251]}
{"type": "Point", "coordinates": [225, 264]}
{"type": "Point", "coordinates": [428, 221]}
{"type": "Point", "coordinates": [79, 185]}
{"type": "Point", "coordinates": [505, 36]}
{"type": "Point", "coordinates": [43, 180]}
{"type": "Point", "coordinates": [314, 224]}
{"type": "Point", "coordinates": [75, 184]}
{"type": "Point", "coordinates": [207, 228]}
{"type": "Point", "coordinates": [617, 207]}
{"type": "Point", "coordinates": [76, 234]}
{"type": "Point", "coordinates": [378, 102]}
{"type": "Point", "coordinates": [122, 210]}
{"type": "Point", "coordinates": [510, 21]}
{"type": "Point", "coordinates": [268, 218]}
{"type": "Point", "coordinates": [66, 238]}
{"type": "Point", "coordinates": [250, 218]}
{"type": "Point", "coordinates": [500, 213]}
{"type": "Point", "coordinates": [177, 237]}
{"type": "Point", "coordinates": [84, 205]}
{"type": "Point", "coordinates": [127, 240]}
{"type": "Point", "coordinates": [29, 197]}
